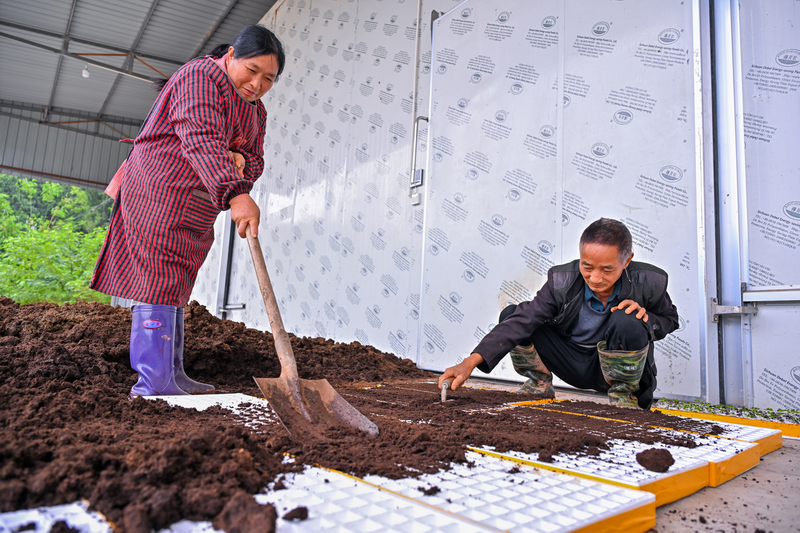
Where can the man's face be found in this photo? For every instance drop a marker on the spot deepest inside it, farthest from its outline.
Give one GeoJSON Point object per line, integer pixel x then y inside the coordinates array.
{"type": "Point", "coordinates": [601, 267]}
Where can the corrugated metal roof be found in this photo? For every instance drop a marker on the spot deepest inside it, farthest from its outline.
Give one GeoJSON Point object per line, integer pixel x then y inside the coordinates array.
{"type": "Point", "coordinates": [37, 79]}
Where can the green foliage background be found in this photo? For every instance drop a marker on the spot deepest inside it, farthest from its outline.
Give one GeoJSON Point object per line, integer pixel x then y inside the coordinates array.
{"type": "Point", "coordinates": [50, 237]}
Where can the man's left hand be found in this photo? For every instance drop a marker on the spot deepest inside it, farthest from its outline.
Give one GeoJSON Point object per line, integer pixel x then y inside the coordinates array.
{"type": "Point", "coordinates": [629, 306]}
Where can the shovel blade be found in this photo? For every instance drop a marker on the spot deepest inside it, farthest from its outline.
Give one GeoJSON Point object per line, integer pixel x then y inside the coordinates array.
{"type": "Point", "coordinates": [317, 400]}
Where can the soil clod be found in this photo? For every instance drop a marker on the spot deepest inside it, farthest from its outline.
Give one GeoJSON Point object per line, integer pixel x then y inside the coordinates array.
{"type": "Point", "coordinates": [655, 459]}
{"type": "Point", "coordinates": [297, 514]}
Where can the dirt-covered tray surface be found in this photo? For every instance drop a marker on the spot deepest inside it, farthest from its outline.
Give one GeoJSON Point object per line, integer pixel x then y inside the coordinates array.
{"type": "Point", "coordinates": [68, 429]}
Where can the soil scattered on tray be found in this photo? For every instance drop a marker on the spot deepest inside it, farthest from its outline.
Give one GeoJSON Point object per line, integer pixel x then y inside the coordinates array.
{"type": "Point", "coordinates": [639, 416]}
{"type": "Point", "coordinates": [298, 514]}
{"type": "Point", "coordinates": [655, 459]}
{"type": "Point", "coordinates": [68, 429]}
{"type": "Point", "coordinates": [63, 527]}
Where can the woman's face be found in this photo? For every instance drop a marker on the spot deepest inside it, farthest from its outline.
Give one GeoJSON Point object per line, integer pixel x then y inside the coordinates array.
{"type": "Point", "coordinates": [253, 76]}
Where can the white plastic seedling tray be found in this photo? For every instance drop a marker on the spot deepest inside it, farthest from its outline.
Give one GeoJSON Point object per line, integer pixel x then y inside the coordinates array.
{"type": "Point", "coordinates": [74, 515]}
{"type": "Point", "coordinates": [573, 493]}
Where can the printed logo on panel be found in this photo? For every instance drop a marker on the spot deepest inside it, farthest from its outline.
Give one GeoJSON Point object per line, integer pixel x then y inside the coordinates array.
{"type": "Point", "coordinates": [393, 19]}
{"type": "Point", "coordinates": [623, 117]}
{"type": "Point", "coordinates": [600, 29]}
{"type": "Point", "coordinates": [547, 132]}
{"type": "Point", "coordinates": [796, 374]}
{"type": "Point", "coordinates": [462, 103]}
{"type": "Point", "coordinates": [549, 22]}
{"type": "Point", "coordinates": [498, 220]}
{"type": "Point", "coordinates": [600, 150]}
{"type": "Point", "coordinates": [437, 157]}
{"type": "Point", "coordinates": [472, 174]}
{"type": "Point", "coordinates": [670, 173]}
{"type": "Point", "coordinates": [792, 210]}
{"type": "Point", "coordinates": [475, 78]}
{"type": "Point", "coordinates": [455, 298]}
{"type": "Point", "coordinates": [441, 69]}
{"type": "Point", "coordinates": [501, 116]}
{"type": "Point", "coordinates": [434, 250]}
{"type": "Point", "coordinates": [429, 347]}
{"type": "Point", "coordinates": [469, 276]}
{"type": "Point", "coordinates": [669, 36]}
{"type": "Point", "coordinates": [503, 17]}
{"type": "Point", "coordinates": [458, 198]}
{"type": "Point", "coordinates": [567, 100]}
{"type": "Point", "coordinates": [516, 88]}
{"type": "Point", "coordinates": [564, 219]}
{"type": "Point", "coordinates": [788, 58]}
{"type": "Point", "coordinates": [466, 12]}
{"type": "Point", "coordinates": [681, 325]}
{"type": "Point", "coordinates": [514, 195]}
{"type": "Point", "coordinates": [545, 247]}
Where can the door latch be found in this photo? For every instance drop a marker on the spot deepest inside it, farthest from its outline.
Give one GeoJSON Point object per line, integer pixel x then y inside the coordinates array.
{"type": "Point", "coordinates": [721, 310]}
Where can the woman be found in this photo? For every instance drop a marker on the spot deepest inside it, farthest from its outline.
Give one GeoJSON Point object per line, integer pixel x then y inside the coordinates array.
{"type": "Point", "coordinates": [198, 153]}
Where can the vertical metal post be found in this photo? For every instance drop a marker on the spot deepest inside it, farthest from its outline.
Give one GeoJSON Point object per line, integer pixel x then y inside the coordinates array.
{"type": "Point", "coordinates": [728, 128]}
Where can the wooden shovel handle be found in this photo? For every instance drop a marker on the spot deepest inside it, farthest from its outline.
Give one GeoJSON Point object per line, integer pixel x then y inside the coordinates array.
{"type": "Point", "coordinates": [282, 344]}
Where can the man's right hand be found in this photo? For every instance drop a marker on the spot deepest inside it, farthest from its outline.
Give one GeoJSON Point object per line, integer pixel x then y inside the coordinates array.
{"type": "Point", "coordinates": [458, 374]}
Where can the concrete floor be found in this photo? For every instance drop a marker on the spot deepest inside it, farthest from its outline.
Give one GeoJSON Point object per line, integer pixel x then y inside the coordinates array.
{"type": "Point", "coordinates": [764, 499]}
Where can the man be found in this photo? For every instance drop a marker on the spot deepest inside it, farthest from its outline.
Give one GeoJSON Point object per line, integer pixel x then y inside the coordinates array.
{"type": "Point", "coordinates": [592, 324]}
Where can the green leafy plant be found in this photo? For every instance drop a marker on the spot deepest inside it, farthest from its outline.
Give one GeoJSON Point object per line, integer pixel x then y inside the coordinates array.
{"type": "Point", "coordinates": [50, 237]}
{"type": "Point", "coordinates": [790, 416]}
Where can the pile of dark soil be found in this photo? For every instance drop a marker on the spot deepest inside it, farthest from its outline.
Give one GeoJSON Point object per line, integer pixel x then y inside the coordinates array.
{"type": "Point", "coordinates": [69, 431]}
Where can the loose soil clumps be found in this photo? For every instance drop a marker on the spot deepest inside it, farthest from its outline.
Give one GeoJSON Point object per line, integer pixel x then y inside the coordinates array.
{"type": "Point", "coordinates": [68, 429]}
{"type": "Point", "coordinates": [655, 459]}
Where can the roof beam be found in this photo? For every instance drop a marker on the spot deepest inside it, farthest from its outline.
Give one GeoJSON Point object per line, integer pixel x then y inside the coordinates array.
{"type": "Point", "coordinates": [61, 111]}
{"type": "Point", "coordinates": [210, 33]}
{"type": "Point", "coordinates": [91, 43]}
{"type": "Point", "coordinates": [64, 47]}
{"type": "Point", "coordinates": [97, 184]}
{"type": "Point", "coordinates": [74, 56]}
{"type": "Point", "coordinates": [60, 127]}
{"type": "Point", "coordinates": [128, 65]}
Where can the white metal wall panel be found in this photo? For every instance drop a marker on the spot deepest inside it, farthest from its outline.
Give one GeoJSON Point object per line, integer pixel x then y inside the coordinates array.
{"type": "Point", "coordinates": [770, 56]}
{"type": "Point", "coordinates": [516, 177]}
{"type": "Point", "coordinates": [769, 39]}
{"type": "Point", "coordinates": [38, 148]}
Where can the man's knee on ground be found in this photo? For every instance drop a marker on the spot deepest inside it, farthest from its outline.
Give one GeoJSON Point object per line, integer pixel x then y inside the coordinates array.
{"type": "Point", "coordinates": [627, 331]}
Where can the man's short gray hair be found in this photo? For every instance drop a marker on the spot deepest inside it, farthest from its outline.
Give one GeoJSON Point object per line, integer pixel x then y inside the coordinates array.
{"type": "Point", "coordinates": [611, 233]}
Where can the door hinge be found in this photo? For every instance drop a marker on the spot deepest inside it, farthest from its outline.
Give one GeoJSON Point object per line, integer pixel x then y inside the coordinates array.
{"type": "Point", "coordinates": [721, 310]}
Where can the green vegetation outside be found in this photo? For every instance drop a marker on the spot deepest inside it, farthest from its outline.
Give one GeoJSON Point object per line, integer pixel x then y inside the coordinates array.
{"type": "Point", "coordinates": [50, 236]}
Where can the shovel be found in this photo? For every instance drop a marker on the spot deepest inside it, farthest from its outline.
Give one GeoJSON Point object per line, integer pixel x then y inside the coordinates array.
{"type": "Point", "coordinates": [301, 404]}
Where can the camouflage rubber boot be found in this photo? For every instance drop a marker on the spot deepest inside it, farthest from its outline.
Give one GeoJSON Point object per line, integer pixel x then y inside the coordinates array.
{"type": "Point", "coordinates": [527, 363]}
{"type": "Point", "coordinates": [622, 370]}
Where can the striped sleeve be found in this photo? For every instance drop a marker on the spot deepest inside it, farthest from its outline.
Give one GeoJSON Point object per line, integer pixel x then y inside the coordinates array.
{"type": "Point", "coordinates": [199, 115]}
{"type": "Point", "coordinates": [254, 158]}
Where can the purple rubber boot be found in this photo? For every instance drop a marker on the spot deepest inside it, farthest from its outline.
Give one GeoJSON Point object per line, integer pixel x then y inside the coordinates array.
{"type": "Point", "coordinates": [152, 350]}
{"type": "Point", "coordinates": [184, 381]}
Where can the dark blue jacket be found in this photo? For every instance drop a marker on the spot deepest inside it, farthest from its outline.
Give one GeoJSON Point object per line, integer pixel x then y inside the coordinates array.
{"type": "Point", "coordinates": [558, 303]}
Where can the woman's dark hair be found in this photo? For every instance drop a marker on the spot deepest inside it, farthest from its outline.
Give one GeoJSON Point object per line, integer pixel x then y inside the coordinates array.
{"type": "Point", "coordinates": [611, 233]}
{"type": "Point", "coordinates": [251, 41]}
{"type": "Point", "coordinates": [219, 51]}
